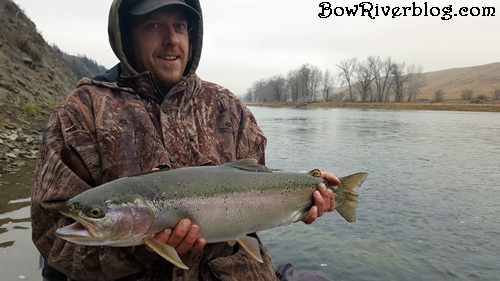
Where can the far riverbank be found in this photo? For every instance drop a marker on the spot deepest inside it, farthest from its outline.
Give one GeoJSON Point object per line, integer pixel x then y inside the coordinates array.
{"type": "Point", "coordinates": [446, 106]}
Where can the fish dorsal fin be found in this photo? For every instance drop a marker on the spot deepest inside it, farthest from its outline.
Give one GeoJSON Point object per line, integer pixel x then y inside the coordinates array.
{"type": "Point", "coordinates": [249, 164]}
{"type": "Point", "coordinates": [315, 173]}
{"type": "Point", "coordinates": [166, 251]}
{"type": "Point", "coordinates": [251, 245]}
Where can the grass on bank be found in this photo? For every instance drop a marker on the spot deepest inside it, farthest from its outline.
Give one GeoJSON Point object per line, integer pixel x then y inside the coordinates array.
{"type": "Point", "coordinates": [448, 106]}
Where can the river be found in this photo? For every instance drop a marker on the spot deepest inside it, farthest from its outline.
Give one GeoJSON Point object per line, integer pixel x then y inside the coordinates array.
{"type": "Point", "coordinates": [429, 210]}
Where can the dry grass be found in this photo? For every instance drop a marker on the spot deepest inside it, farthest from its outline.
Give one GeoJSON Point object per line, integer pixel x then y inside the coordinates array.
{"type": "Point", "coordinates": [26, 44]}
{"type": "Point", "coordinates": [481, 79]}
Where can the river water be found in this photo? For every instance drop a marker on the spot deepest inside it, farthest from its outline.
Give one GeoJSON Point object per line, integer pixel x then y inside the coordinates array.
{"type": "Point", "coordinates": [429, 210]}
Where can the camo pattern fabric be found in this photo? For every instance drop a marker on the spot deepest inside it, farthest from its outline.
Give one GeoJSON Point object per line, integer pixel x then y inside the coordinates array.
{"type": "Point", "coordinates": [107, 130]}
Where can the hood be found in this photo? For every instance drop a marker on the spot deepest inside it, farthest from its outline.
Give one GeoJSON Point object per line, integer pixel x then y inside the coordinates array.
{"type": "Point", "coordinates": [115, 22]}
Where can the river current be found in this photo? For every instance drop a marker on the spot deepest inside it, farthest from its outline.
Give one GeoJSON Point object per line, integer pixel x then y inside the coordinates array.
{"type": "Point", "coordinates": [429, 210]}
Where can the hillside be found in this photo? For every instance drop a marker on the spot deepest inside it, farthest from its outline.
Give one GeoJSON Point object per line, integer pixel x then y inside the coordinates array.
{"type": "Point", "coordinates": [482, 79]}
{"type": "Point", "coordinates": [33, 76]}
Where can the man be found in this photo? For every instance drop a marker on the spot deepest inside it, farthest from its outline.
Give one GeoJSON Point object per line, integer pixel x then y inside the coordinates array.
{"type": "Point", "coordinates": [150, 111]}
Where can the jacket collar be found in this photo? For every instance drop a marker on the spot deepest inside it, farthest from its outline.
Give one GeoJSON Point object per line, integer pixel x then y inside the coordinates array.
{"type": "Point", "coordinates": [143, 84]}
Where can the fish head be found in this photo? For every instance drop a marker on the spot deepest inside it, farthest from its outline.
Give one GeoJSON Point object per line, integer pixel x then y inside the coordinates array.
{"type": "Point", "coordinates": [123, 222]}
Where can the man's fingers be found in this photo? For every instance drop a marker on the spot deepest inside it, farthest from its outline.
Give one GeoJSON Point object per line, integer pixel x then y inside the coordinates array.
{"type": "Point", "coordinates": [189, 240]}
{"type": "Point", "coordinates": [312, 216]}
{"type": "Point", "coordinates": [331, 178]}
{"type": "Point", "coordinates": [331, 196]}
{"type": "Point", "coordinates": [319, 201]}
{"type": "Point", "coordinates": [180, 231]}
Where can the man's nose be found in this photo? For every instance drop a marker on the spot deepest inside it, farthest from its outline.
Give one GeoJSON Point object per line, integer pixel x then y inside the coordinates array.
{"type": "Point", "coordinates": [170, 37]}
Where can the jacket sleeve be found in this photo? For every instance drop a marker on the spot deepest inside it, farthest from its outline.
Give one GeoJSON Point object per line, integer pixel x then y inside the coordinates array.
{"type": "Point", "coordinates": [68, 164]}
{"type": "Point", "coordinates": [251, 141]}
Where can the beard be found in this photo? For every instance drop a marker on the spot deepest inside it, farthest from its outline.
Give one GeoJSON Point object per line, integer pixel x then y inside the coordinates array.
{"type": "Point", "coordinates": [167, 81]}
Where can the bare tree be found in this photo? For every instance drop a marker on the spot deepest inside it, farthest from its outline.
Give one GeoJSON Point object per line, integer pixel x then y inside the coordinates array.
{"type": "Point", "coordinates": [316, 77]}
{"type": "Point", "coordinates": [364, 77]}
{"type": "Point", "coordinates": [467, 94]}
{"type": "Point", "coordinates": [309, 81]}
{"type": "Point", "coordinates": [277, 86]}
{"type": "Point", "coordinates": [347, 68]}
{"type": "Point", "coordinates": [382, 78]}
{"type": "Point", "coordinates": [327, 83]}
{"type": "Point", "coordinates": [416, 81]}
{"type": "Point", "coordinates": [399, 78]}
{"type": "Point", "coordinates": [293, 84]}
{"type": "Point", "coordinates": [261, 91]}
{"type": "Point", "coordinates": [249, 96]}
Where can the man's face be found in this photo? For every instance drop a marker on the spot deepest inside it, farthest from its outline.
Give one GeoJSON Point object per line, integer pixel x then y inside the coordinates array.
{"type": "Point", "coordinates": [160, 44]}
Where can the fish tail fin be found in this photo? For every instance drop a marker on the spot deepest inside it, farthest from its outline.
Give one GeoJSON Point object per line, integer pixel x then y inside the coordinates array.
{"type": "Point", "coordinates": [347, 206]}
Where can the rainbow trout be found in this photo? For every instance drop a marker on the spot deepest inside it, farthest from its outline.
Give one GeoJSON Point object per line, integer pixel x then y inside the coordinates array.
{"type": "Point", "coordinates": [227, 202]}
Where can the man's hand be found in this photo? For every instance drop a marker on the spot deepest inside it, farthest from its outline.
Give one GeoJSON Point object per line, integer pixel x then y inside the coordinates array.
{"type": "Point", "coordinates": [183, 238]}
{"type": "Point", "coordinates": [324, 199]}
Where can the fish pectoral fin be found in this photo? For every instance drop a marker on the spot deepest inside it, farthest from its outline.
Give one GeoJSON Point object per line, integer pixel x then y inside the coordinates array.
{"type": "Point", "coordinates": [166, 251]}
{"type": "Point", "coordinates": [231, 242]}
{"type": "Point", "coordinates": [251, 245]}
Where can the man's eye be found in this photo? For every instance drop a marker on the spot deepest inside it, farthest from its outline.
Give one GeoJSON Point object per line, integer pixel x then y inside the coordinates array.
{"type": "Point", "coordinates": [153, 26]}
{"type": "Point", "coordinates": [179, 26]}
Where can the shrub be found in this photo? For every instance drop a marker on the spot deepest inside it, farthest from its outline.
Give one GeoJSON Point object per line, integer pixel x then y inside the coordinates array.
{"type": "Point", "coordinates": [30, 108]}
{"type": "Point", "coordinates": [479, 98]}
{"type": "Point", "coordinates": [338, 97]}
{"type": "Point", "coordinates": [25, 44]}
{"type": "Point", "coordinates": [496, 94]}
{"type": "Point", "coordinates": [438, 95]}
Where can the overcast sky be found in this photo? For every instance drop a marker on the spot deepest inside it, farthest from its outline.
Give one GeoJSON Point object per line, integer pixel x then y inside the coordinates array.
{"type": "Point", "coordinates": [246, 40]}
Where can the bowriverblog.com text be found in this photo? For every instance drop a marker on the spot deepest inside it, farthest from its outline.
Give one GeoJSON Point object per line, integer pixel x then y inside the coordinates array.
{"type": "Point", "coordinates": [425, 9]}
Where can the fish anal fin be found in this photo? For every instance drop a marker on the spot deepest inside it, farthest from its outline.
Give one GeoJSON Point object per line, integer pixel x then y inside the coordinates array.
{"type": "Point", "coordinates": [251, 245]}
{"type": "Point", "coordinates": [231, 242]}
{"type": "Point", "coordinates": [165, 251]}
{"type": "Point", "coordinates": [249, 164]}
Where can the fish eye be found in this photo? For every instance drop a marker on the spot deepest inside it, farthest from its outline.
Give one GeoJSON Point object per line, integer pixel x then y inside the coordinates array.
{"type": "Point", "coordinates": [95, 212]}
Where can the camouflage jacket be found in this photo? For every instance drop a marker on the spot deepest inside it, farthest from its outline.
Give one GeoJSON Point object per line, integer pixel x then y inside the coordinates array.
{"type": "Point", "coordinates": [107, 130]}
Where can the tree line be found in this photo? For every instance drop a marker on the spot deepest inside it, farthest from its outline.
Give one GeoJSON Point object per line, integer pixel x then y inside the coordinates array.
{"type": "Point", "coordinates": [371, 80]}
{"type": "Point", "coordinates": [83, 66]}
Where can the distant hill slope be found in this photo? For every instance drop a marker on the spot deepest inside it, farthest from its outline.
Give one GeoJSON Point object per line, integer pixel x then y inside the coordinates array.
{"type": "Point", "coordinates": [32, 72]}
{"type": "Point", "coordinates": [83, 66]}
{"type": "Point", "coordinates": [482, 79]}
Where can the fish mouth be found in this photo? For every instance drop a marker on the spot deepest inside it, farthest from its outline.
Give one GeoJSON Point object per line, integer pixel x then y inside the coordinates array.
{"type": "Point", "coordinates": [79, 229]}
{"type": "Point", "coordinates": [76, 230]}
